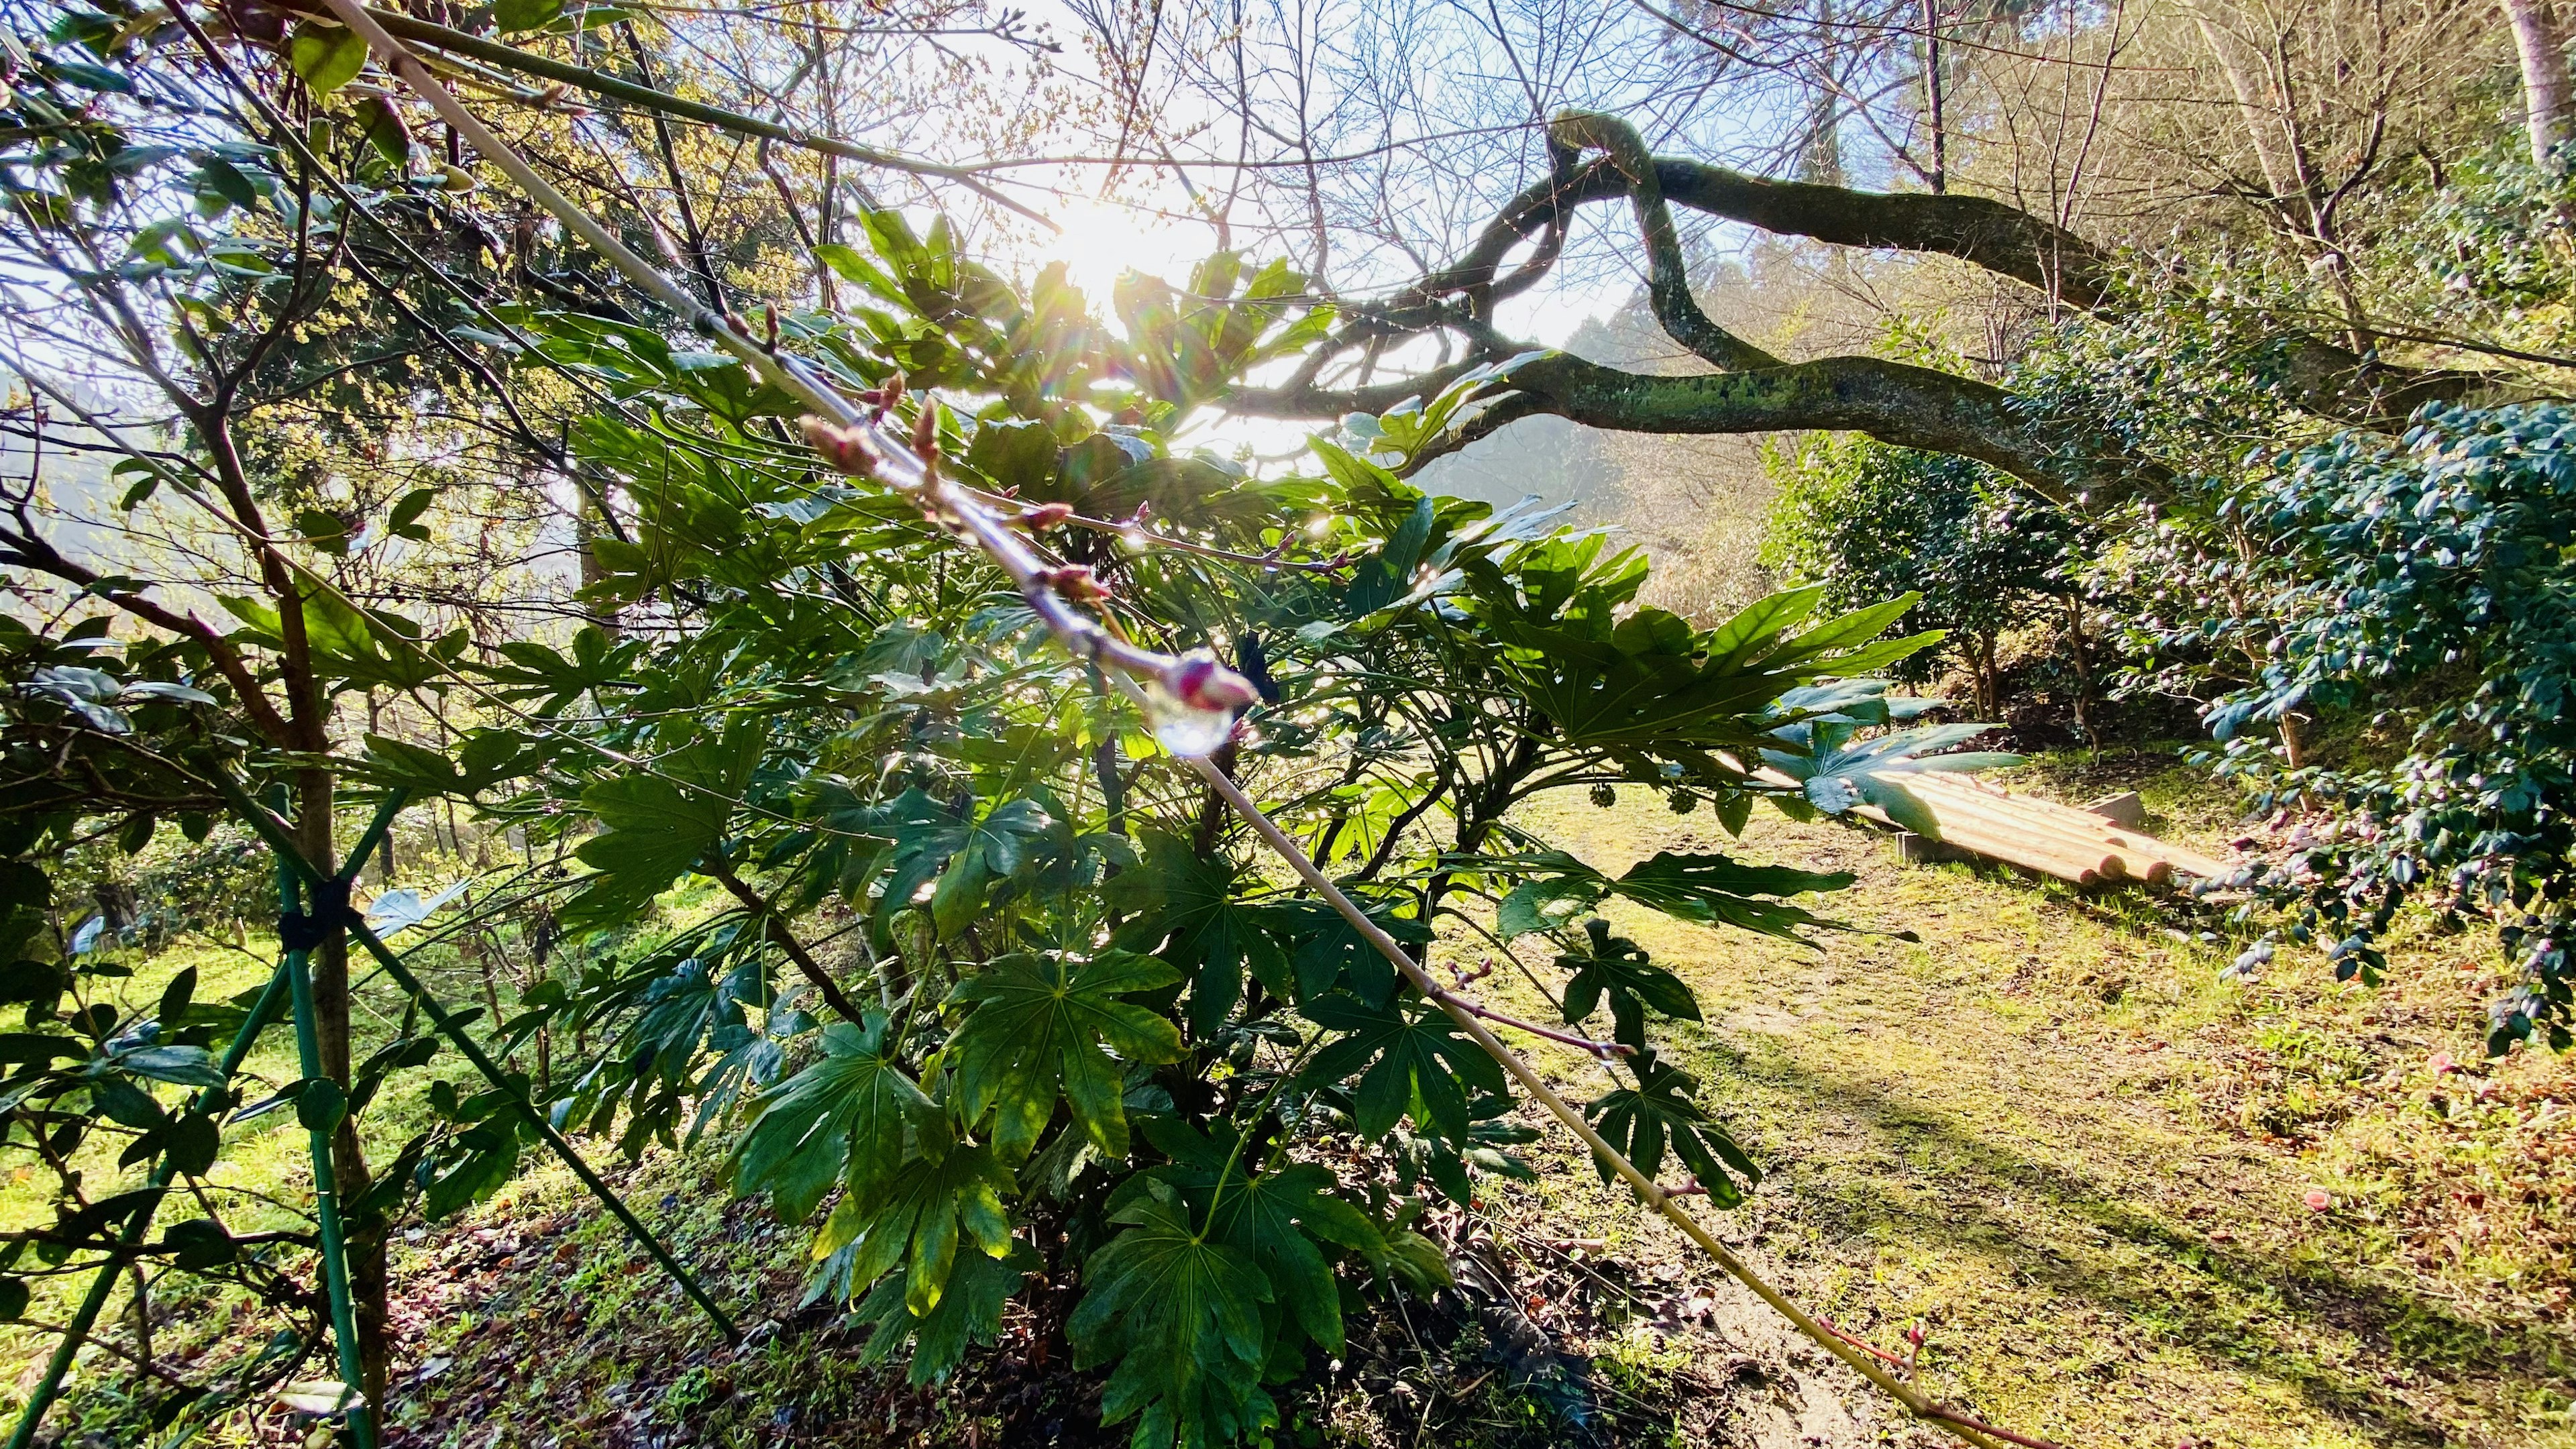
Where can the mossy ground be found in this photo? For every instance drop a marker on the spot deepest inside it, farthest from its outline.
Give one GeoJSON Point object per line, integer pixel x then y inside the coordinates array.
{"type": "Point", "coordinates": [2057, 1135]}
{"type": "Point", "coordinates": [2050, 1131]}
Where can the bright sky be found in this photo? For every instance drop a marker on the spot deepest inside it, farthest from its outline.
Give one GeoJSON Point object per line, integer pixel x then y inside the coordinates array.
{"type": "Point", "coordinates": [1103, 240]}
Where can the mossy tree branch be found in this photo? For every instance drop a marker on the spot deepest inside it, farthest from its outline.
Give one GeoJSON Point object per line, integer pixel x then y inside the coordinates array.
{"type": "Point", "coordinates": [1754, 392]}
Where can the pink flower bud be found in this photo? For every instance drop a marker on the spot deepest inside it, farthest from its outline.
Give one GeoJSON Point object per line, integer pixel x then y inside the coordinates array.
{"type": "Point", "coordinates": [2319, 1200]}
{"type": "Point", "coordinates": [925, 432]}
{"type": "Point", "coordinates": [1046, 515]}
{"type": "Point", "coordinates": [1196, 679]}
{"type": "Point", "coordinates": [1076, 582]}
{"type": "Point", "coordinates": [846, 449]}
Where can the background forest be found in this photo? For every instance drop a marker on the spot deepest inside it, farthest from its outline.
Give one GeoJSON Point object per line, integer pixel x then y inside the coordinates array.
{"type": "Point", "coordinates": [868, 722]}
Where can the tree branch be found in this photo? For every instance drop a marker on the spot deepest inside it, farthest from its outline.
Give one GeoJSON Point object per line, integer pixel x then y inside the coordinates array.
{"type": "Point", "coordinates": [2326, 379]}
{"type": "Point", "coordinates": [664, 103]}
{"type": "Point", "coordinates": [1668, 286]}
{"type": "Point", "coordinates": [775, 926]}
{"type": "Point", "coordinates": [1895, 402]}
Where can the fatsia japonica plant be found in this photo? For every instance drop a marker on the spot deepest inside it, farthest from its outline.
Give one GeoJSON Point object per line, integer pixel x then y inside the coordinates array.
{"type": "Point", "coordinates": [858, 875]}
{"type": "Point", "coordinates": [990, 984]}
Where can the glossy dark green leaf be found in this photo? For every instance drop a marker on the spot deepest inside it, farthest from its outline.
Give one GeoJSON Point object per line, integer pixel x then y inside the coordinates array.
{"type": "Point", "coordinates": [1042, 1027]}
{"type": "Point", "coordinates": [185, 1065]}
{"type": "Point", "coordinates": [658, 828]}
{"type": "Point", "coordinates": [852, 1108]}
{"type": "Point", "coordinates": [1402, 1054]}
{"type": "Point", "coordinates": [916, 1216]}
{"type": "Point", "coordinates": [1641, 1121]}
{"type": "Point", "coordinates": [1180, 1317]}
{"type": "Point", "coordinates": [1618, 968]}
{"type": "Point", "coordinates": [326, 56]}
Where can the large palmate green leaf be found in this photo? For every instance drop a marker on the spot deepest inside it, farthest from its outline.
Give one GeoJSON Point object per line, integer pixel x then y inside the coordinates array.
{"type": "Point", "coordinates": [1190, 912]}
{"type": "Point", "coordinates": [543, 674]}
{"type": "Point", "coordinates": [1641, 1120]}
{"type": "Point", "coordinates": [353, 648]}
{"type": "Point", "coordinates": [1618, 968]}
{"type": "Point", "coordinates": [1276, 1219]}
{"type": "Point", "coordinates": [1409, 1057]}
{"type": "Point", "coordinates": [969, 1311]}
{"type": "Point", "coordinates": [1331, 952]}
{"type": "Point", "coordinates": [914, 1217]}
{"type": "Point", "coordinates": [854, 1107]}
{"type": "Point", "coordinates": [1180, 1316]}
{"type": "Point", "coordinates": [965, 857]}
{"type": "Point", "coordinates": [1644, 678]}
{"type": "Point", "coordinates": [658, 828]}
{"type": "Point", "coordinates": [1838, 774]}
{"type": "Point", "coordinates": [1042, 1027]}
{"type": "Point", "coordinates": [1710, 889]}
{"type": "Point", "coordinates": [1720, 890]}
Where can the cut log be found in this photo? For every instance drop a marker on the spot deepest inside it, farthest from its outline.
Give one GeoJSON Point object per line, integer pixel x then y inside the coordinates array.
{"type": "Point", "coordinates": [1988, 820]}
{"type": "Point", "coordinates": [1955, 803]}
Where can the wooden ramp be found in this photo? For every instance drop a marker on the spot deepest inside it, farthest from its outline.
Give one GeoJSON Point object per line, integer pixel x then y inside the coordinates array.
{"type": "Point", "coordinates": [2071, 844]}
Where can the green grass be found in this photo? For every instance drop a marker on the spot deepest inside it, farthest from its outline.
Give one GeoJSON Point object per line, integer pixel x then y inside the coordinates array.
{"type": "Point", "coordinates": [2054, 1133]}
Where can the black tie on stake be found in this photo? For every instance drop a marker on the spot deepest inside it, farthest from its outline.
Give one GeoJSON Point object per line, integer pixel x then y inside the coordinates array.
{"type": "Point", "coordinates": [329, 911]}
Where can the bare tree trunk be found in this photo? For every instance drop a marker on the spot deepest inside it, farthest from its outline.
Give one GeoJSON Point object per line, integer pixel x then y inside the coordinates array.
{"type": "Point", "coordinates": [369, 1276]}
{"type": "Point", "coordinates": [2083, 649]}
{"type": "Point", "coordinates": [2544, 77]}
{"type": "Point", "coordinates": [1981, 675]}
{"type": "Point", "coordinates": [2254, 106]}
{"type": "Point", "coordinates": [1939, 180]}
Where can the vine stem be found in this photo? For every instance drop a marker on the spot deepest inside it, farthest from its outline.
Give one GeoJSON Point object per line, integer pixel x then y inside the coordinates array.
{"type": "Point", "coordinates": [949, 503]}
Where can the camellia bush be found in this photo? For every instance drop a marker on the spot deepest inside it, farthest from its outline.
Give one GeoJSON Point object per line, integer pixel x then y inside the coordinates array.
{"type": "Point", "coordinates": [2426, 581]}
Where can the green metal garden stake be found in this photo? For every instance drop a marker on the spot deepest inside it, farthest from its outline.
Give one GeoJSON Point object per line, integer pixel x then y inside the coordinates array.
{"type": "Point", "coordinates": [326, 1194]}
{"type": "Point", "coordinates": [273, 831]}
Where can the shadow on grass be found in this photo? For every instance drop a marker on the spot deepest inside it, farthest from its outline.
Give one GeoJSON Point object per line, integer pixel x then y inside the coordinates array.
{"type": "Point", "coordinates": [2227, 1303]}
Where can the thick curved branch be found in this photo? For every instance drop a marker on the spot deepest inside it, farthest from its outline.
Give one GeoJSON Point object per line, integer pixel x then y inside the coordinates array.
{"type": "Point", "coordinates": [1979, 230]}
{"type": "Point", "coordinates": [1895, 402]}
{"type": "Point", "coordinates": [2323, 378]}
{"type": "Point", "coordinates": [1668, 287]}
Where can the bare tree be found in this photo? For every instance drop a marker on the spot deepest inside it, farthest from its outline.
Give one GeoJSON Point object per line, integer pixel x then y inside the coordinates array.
{"type": "Point", "coordinates": [2543, 55]}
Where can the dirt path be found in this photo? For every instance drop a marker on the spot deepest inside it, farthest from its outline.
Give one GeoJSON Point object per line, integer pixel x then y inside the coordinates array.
{"type": "Point", "coordinates": [2051, 1133]}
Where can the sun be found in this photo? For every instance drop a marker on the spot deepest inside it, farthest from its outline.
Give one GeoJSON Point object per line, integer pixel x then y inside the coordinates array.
{"type": "Point", "coordinates": [1104, 240]}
